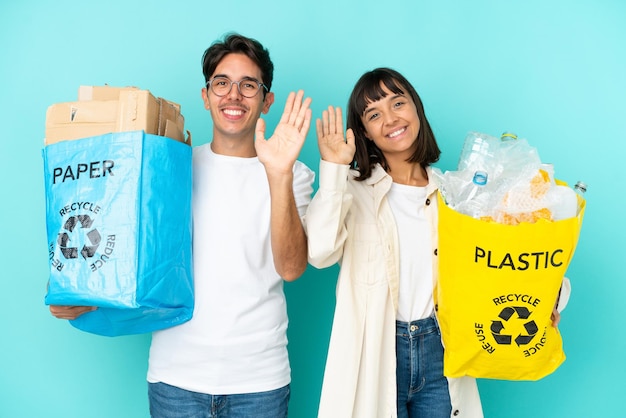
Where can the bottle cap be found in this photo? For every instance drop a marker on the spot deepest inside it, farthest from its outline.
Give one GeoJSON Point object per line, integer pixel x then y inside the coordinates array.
{"type": "Point", "coordinates": [508, 136]}
{"type": "Point", "coordinates": [480, 178]}
{"type": "Point", "coordinates": [581, 186]}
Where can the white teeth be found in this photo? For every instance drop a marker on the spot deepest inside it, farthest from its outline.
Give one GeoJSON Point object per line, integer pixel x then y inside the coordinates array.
{"type": "Point", "coordinates": [396, 133]}
{"type": "Point", "coordinates": [232, 112]}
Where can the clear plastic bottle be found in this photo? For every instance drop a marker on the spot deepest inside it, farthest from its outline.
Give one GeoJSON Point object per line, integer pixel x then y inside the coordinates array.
{"type": "Point", "coordinates": [478, 152]}
{"type": "Point", "coordinates": [580, 188]}
{"type": "Point", "coordinates": [476, 204]}
{"type": "Point", "coordinates": [566, 202]}
{"type": "Point", "coordinates": [563, 202]}
{"type": "Point", "coordinates": [508, 136]}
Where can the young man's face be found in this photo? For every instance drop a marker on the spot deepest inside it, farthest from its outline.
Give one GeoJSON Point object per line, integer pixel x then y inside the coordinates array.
{"type": "Point", "coordinates": [234, 115]}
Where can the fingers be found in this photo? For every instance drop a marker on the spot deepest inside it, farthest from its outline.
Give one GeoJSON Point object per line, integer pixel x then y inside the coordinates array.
{"type": "Point", "coordinates": [332, 128]}
{"type": "Point", "coordinates": [291, 97]}
{"type": "Point", "coordinates": [331, 122]}
{"type": "Point", "coordinates": [319, 129]}
{"type": "Point", "coordinates": [306, 123]}
{"type": "Point", "coordinates": [297, 110]}
{"type": "Point", "coordinates": [302, 119]}
{"type": "Point", "coordinates": [322, 125]}
{"type": "Point", "coordinates": [70, 312]}
{"type": "Point", "coordinates": [555, 317]}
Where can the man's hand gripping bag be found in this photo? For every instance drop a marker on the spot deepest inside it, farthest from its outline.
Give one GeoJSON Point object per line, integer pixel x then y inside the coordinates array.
{"type": "Point", "coordinates": [118, 215]}
{"type": "Point", "coordinates": [498, 285]}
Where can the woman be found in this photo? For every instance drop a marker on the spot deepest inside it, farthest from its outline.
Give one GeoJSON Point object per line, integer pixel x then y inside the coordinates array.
{"type": "Point", "coordinates": [379, 220]}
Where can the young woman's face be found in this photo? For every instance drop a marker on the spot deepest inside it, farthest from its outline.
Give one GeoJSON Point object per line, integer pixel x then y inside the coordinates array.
{"type": "Point", "coordinates": [392, 123]}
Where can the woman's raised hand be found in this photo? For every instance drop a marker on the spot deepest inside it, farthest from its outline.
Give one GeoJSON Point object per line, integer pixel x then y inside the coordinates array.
{"type": "Point", "coordinates": [333, 146]}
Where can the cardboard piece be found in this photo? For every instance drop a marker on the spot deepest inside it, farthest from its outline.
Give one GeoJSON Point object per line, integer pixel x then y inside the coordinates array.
{"type": "Point", "coordinates": [105, 109]}
{"type": "Point", "coordinates": [171, 122]}
{"type": "Point", "coordinates": [137, 110]}
{"type": "Point", "coordinates": [101, 92]}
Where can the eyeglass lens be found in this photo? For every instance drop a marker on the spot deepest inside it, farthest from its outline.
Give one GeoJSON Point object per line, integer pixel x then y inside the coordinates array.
{"type": "Point", "coordinates": [221, 86]}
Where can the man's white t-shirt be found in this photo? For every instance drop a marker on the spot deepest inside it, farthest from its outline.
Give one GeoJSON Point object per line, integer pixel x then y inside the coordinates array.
{"type": "Point", "coordinates": [236, 341]}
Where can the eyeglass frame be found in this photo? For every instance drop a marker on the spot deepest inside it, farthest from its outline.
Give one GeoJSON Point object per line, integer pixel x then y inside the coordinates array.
{"type": "Point", "coordinates": [210, 83]}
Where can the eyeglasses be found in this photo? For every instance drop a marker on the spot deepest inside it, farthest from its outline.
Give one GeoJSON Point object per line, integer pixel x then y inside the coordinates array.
{"type": "Point", "coordinates": [248, 87]}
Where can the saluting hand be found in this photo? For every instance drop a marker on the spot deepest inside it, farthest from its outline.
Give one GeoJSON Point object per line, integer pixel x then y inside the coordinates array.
{"type": "Point", "coordinates": [332, 144]}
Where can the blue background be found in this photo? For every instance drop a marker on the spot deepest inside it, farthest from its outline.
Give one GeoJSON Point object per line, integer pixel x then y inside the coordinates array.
{"type": "Point", "coordinates": [554, 72]}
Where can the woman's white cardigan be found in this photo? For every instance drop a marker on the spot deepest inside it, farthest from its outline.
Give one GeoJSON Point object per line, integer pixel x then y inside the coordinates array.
{"type": "Point", "coordinates": [351, 223]}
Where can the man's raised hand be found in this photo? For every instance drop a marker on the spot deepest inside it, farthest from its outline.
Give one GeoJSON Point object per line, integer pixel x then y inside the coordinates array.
{"type": "Point", "coordinates": [281, 150]}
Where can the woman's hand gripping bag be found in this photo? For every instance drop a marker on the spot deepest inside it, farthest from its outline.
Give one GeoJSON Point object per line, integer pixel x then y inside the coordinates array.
{"type": "Point", "coordinates": [118, 215]}
{"type": "Point", "coordinates": [498, 285]}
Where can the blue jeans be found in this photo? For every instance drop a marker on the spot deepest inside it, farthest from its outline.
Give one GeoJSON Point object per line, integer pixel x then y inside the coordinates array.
{"type": "Point", "coordinates": [171, 402]}
{"type": "Point", "coordinates": [422, 387]}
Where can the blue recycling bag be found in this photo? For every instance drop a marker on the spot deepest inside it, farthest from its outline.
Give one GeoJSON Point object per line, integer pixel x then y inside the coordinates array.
{"type": "Point", "coordinates": [118, 216]}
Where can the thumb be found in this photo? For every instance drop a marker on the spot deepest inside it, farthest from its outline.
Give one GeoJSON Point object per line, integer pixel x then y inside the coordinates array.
{"type": "Point", "coordinates": [259, 131]}
{"type": "Point", "coordinates": [350, 137]}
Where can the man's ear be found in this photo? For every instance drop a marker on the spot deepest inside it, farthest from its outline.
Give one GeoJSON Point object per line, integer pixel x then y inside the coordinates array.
{"type": "Point", "coordinates": [205, 98]}
{"type": "Point", "coordinates": [267, 102]}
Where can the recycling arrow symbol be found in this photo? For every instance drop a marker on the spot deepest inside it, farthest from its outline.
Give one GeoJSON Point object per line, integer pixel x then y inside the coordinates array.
{"type": "Point", "coordinates": [498, 328]}
{"type": "Point", "coordinates": [92, 237]}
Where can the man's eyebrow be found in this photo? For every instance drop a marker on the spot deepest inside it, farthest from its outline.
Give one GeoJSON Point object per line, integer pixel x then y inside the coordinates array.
{"type": "Point", "coordinates": [246, 77]}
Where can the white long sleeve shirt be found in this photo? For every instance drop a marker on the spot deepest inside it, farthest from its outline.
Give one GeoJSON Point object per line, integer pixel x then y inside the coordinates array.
{"type": "Point", "coordinates": [351, 222]}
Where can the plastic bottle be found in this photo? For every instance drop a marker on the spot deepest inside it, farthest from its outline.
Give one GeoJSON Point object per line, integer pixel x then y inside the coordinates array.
{"type": "Point", "coordinates": [564, 202]}
{"type": "Point", "coordinates": [580, 188]}
{"type": "Point", "coordinates": [476, 202]}
{"type": "Point", "coordinates": [508, 136]}
{"type": "Point", "coordinates": [478, 152]}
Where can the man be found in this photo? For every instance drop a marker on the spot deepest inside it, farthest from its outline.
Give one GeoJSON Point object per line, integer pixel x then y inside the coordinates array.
{"type": "Point", "coordinates": [230, 359]}
{"type": "Point", "coordinates": [249, 194]}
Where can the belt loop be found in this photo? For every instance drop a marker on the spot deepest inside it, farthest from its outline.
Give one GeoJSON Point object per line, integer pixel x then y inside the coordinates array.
{"type": "Point", "coordinates": [436, 323]}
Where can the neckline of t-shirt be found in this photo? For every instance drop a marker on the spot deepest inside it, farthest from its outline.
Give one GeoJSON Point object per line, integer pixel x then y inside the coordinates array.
{"type": "Point", "coordinates": [231, 158]}
{"type": "Point", "coordinates": [407, 188]}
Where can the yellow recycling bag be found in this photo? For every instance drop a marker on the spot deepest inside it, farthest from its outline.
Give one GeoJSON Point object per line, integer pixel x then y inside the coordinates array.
{"type": "Point", "coordinates": [498, 285]}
